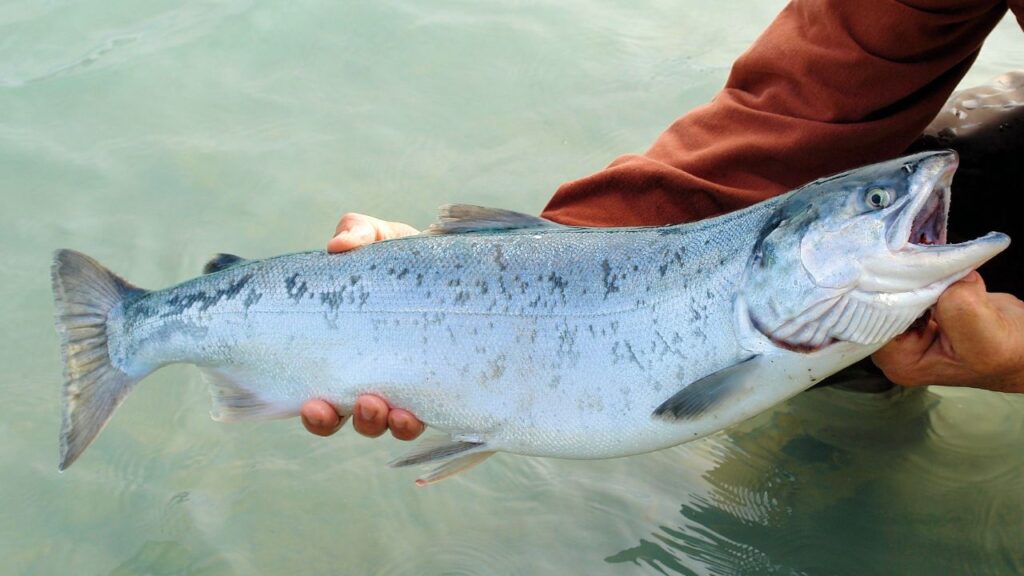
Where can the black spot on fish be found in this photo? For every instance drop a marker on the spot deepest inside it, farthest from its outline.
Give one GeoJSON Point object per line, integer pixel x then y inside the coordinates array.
{"type": "Point", "coordinates": [609, 278]}
{"type": "Point", "coordinates": [178, 303]}
{"type": "Point", "coordinates": [567, 342]}
{"type": "Point", "coordinates": [633, 357]}
{"type": "Point", "coordinates": [333, 299]}
{"type": "Point", "coordinates": [292, 287]}
{"type": "Point", "coordinates": [558, 284]}
{"type": "Point", "coordinates": [499, 258]}
{"type": "Point", "coordinates": [236, 287]}
{"type": "Point", "coordinates": [252, 298]}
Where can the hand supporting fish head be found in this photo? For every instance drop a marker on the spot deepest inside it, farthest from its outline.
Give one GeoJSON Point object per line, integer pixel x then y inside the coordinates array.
{"type": "Point", "coordinates": [859, 256]}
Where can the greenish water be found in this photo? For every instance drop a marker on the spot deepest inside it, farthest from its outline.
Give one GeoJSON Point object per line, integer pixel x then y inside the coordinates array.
{"type": "Point", "coordinates": [153, 134]}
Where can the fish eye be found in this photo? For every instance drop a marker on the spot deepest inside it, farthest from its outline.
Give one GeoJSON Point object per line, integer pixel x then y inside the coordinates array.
{"type": "Point", "coordinates": [878, 197]}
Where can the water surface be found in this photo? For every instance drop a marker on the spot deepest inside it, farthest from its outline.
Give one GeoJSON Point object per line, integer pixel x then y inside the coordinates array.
{"type": "Point", "coordinates": [152, 135]}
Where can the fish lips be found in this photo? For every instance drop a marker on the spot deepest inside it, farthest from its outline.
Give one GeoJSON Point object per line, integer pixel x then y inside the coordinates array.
{"type": "Point", "coordinates": [917, 234]}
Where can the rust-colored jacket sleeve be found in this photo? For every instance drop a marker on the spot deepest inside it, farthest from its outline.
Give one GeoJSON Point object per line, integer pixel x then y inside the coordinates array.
{"type": "Point", "coordinates": [830, 85]}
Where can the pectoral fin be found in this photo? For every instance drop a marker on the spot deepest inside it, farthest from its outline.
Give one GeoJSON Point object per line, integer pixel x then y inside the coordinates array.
{"type": "Point", "coordinates": [716, 388]}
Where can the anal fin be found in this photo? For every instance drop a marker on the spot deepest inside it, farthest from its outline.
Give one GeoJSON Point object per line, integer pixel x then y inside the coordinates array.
{"type": "Point", "coordinates": [698, 398]}
{"type": "Point", "coordinates": [454, 456]}
{"type": "Point", "coordinates": [453, 467]}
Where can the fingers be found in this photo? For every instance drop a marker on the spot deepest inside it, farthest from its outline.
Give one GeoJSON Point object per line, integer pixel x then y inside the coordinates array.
{"type": "Point", "coordinates": [373, 417]}
{"type": "Point", "coordinates": [971, 323]}
{"type": "Point", "coordinates": [355, 230]}
{"type": "Point", "coordinates": [403, 425]}
{"type": "Point", "coordinates": [902, 358]}
{"type": "Point", "coordinates": [370, 417]}
{"type": "Point", "coordinates": [320, 418]}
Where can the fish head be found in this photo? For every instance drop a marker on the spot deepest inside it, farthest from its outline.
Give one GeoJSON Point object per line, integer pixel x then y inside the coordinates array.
{"type": "Point", "coordinates": [859, 256]}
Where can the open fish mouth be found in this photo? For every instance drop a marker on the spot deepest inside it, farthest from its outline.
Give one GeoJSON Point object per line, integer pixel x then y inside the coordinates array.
{"type": "Point", "coordinates": [929, 224]}
{"type": "Point", "coordinates": [919, 232]}
{"type": "Point", "coordinates": [923, 219]}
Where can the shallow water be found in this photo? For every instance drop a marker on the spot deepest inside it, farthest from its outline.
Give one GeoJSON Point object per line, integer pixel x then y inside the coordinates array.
{"type": "Point", "coordinates": [151, 135]}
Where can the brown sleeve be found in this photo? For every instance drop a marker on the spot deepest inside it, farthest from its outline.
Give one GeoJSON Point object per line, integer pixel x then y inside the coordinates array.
{"type": "Point", "coordinates": [830, 85]}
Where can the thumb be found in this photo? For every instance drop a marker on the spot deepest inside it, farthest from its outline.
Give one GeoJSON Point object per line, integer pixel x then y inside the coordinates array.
{"type": "Point", "coordinates": [353, 231]}
{"type": "Point", "coordinates": [967, 318]}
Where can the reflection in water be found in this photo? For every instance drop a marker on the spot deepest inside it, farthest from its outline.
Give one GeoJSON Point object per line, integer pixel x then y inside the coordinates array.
{"type": "Point", "coordinates": [850, 483]}
{"type": "Point", "coordinates": [178, 553]}
{"type": "Point", "coordinates": [159, 558]}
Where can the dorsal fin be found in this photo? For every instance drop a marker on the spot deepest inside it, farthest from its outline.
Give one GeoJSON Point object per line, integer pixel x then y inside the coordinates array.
{"type": "Point", "coordinates": [221, 262]}
{"type": "Point", "coordinates": [460, 218]}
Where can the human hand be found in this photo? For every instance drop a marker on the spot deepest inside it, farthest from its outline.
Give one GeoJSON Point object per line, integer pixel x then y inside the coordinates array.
{"type": "Point", "coordinates": [372, 416]}
{"type": "Point", "coordinates": [974, 338]}
{"type": "Point", "coordinates": [355, 230]}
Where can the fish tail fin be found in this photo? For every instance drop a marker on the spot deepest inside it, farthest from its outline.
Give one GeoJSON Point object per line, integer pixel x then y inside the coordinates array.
{"type": "Point", "coordinates": [84, 293]}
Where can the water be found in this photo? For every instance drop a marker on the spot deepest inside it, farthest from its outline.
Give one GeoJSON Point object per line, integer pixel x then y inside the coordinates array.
{"type": "Point", "coordinates": [152, 135]}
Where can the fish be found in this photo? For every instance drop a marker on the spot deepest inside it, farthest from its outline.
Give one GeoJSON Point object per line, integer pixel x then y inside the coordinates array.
{"type": "Point", "coordinates": [510, 333]}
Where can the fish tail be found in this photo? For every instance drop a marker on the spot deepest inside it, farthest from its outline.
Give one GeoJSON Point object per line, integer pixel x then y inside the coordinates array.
{"type": "Point", "coordinates": [84, 293]}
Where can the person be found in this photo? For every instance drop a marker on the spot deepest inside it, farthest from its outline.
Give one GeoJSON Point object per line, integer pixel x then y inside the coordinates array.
{"type": "Point", "coordinates": [830, 85]}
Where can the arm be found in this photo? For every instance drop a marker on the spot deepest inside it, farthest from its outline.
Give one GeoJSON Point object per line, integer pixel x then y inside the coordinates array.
{"type": "Point", "coordinates": [830, 85]}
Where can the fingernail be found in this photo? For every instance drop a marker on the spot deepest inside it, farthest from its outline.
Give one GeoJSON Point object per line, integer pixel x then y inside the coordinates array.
{"type": "Point", "coordinates": [367, 413]}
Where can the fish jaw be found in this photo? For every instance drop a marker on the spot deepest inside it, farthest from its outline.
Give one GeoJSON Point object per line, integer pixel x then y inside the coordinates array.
{"type": "Point", "coordinates": [927, 268]}
{"type": "Point", "coordinates": [919, 258]}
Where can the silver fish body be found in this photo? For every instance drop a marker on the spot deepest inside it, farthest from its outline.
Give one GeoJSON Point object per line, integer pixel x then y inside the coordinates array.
{"type": "Point", "coordinates": [510, 333]}
{"type": "Point", "coordinates": [487, 336]}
